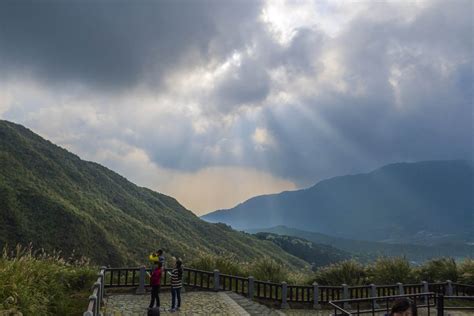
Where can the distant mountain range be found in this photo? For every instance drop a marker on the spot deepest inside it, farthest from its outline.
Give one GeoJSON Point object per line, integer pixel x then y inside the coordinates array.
{"type": "Point", "coordinates": [367, 251]}
{"type": "Point", "coordinates": [426, 202]}
{"type": "Point", "coordinates": [56, 201]}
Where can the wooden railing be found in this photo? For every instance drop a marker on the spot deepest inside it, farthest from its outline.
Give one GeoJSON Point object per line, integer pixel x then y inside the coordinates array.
{"type": "Point", "coordinates": [280, 293]}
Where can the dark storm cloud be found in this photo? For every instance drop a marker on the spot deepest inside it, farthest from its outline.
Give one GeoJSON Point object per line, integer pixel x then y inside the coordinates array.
{"type": "Point", "coordinates": [427, 115]}
{"type": "Point", "coordinates": [116, 44]}
{"type": "Point", "coordinates": [248, 84]}
{"type": "Point", "coordinates": [392, 86]}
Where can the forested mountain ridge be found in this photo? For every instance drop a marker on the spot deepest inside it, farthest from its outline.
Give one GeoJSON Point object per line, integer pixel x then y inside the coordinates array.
{"type": "Point", "coordinates": [431, 200]}
{"type": "Point", "coordinates": [368, 251]}
{"type": "Point", "coordinates": [55, 200]}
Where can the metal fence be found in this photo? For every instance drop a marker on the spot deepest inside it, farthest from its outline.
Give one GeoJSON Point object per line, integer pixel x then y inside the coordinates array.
{"type": "Point", "coordinates": [432, 303]}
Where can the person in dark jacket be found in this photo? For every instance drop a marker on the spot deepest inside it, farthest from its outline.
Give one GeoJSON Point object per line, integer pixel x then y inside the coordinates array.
{"type": "Point", "coordinates": [403, 307]}
{"type": "Point", "coordinates": [155, 281]}
{"type": "Point", "coordinates": [176, 285]}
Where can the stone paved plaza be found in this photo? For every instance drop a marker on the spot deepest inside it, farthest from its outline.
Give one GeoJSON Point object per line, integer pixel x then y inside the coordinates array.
{"type": "Point", "coordinates": [193, 303]}
{"type": "Point", "coordinates": [213, 303]}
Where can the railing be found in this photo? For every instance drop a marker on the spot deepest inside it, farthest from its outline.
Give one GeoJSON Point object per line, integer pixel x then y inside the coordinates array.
{"type": "Point", "coordinates": [95, 300]}
{"type": "Point", "coordinates": [462, 289]}
{"type": "Point", "coordinates": [383, 304]}
{"type": "Point", "coordinates": [459, 299]}
{"type": "Point", "coordinates": [280, 293]}
{"type": "Point", "coordinates": [268, 290]}
{"type": "Point", "coordinates": [232, 283]}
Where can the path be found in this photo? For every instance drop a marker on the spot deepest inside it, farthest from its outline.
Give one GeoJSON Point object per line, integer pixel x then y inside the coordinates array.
{"type": "Point", "coordinates": [208, 303]}
{"type": "Point", "coordinates": [193, 303]}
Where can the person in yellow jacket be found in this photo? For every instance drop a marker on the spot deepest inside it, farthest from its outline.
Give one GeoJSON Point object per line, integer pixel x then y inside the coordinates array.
{"type": "Point", "coordinates": [158, 257]}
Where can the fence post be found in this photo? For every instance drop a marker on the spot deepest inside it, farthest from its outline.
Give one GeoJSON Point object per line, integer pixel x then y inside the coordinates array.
{"type": "Point", "coordinates": [316, 296]}
{"type": "Point", "coordinates": [401, 290]}
{"type": "Point", "coordinates": [102, 289]}
{"type": "Point", "coordinates": [345, 295]}
{"type": "Point", "coordinates": [94, 299]}
{"type": "Point", "coordinates": [440, 305]}
{"type": "Point", "coordinates": [373, 294]}
{"type": "Point", "coordinates": [98, 300]}
{"type": "Point", "coordinates": [99, 286]}
{"type": "Point", "coordinates": [216, 280]}
{"type": "Point", "coordinates": [250, 288]}
{"type": "Point", "coordinates": [449, 288]}
{"type": "Point", "coordinates": [141, 282]}
{"type": "Point", "coordinates": [284, 294]}
{"type": "Point", "coordinates": [425, 290]}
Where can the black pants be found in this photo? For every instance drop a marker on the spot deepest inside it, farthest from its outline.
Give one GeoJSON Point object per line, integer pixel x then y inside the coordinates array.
{"type": "Point", "coordinates": [155, 291]}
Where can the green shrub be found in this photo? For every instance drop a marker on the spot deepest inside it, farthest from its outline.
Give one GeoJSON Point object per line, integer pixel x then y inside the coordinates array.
{"type": "Point", "coordinates": [466, 271]}
{"type": "Point", "coordinates": [267, 269]}
{"type": "Point", "coordinates": [438, 270]}
{"type": "Point", "coordinates": [39, 284]}
{"type": "Point", "coordinates": [390, 271]}
{"type": "Point", "coordinates": [225, 264]}
{"type": "Point", "coordinates": [345, 272]}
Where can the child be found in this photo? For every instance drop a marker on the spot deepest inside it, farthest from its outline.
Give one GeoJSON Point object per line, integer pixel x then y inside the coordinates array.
{"type": "Point", "coordinates": [155, 280]}
{"type": "Point", "coordinates": [158, 257]}
{"type": "Point", "coordinates": [176, 285]}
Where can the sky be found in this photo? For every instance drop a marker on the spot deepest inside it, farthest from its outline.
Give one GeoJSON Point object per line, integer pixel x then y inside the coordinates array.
{"type": "Point", "coordinates": [213, 102]}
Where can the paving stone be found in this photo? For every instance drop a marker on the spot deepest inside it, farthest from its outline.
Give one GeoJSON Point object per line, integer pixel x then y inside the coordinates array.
{"type": "Point", "coordinates": [192, 303]}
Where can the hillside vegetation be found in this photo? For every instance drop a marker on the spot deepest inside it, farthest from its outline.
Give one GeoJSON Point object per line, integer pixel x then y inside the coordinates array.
{"type": "Point", "coordinates": [381, 271]}
{"type": "Point", "coordinates": [367, 251]}
{"type": "Point", "coordinates": [57, 201]}
{"type": "Point", "coordinates": [317, 254]}
{"type": "Point", "coordinates": [36, 283]}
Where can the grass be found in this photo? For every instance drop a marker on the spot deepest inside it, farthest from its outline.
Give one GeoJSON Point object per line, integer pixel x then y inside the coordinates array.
{"type": "Point", "coordinates": [36, 283]}
{"type": "Point", "coordinates": [385, 270]}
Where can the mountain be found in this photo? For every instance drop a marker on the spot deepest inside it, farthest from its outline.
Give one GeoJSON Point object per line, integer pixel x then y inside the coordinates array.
{"type": "Point", "coordinates": [432, 199]}
{"type": "Point", "coordinates": [369, 250]}
{"type": "Point", "coordinates": [318, 255]}
{"type": "Point", "coordinates": [57, 201]}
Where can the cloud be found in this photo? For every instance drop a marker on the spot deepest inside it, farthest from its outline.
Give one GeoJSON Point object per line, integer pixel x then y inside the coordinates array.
{"type": "Point", "coordinates": [202, 191]}
{"type": "Point", "coordinates": [202, 90]}
{"type": "Point", "coordinates": [116, 45]}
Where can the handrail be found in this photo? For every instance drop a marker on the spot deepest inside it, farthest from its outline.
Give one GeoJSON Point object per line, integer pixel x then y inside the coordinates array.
{"type": "Point", "coordinates": [348, 308]}
{"type": "Point", "coordinates": [95, 300]}
{"type": "Point", "coordinates": [457, 297]}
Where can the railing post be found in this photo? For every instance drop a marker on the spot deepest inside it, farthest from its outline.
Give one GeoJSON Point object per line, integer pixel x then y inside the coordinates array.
{"type": "Point", "coordinates": [216, 280]}
{"type": "Point", "coordinates": [401, 289]}
{"type": "Point", "coordinates": [141, 282]}
{"type": "Point", "coordinates": [316, 304]}
{"type": "Point", "coordinates": [284, 294]}
{"type": "Point", "coordinates": [250, 287]}
{"type": "Point", "coordinates": [373, 294]}
{"type": "Point", "coordinates": [449, 288]}
{"type": "Point", "coordinates": [94, 299]}
{"type": "Point", "coordinates": [425, 290]}
{"type": "Point", "coordinates": [102, 287]}
{"type": "Point", "coordinates": [440, 305]}
{"type": "Point", "coordinates": [346, 296]}
{"type": "Point", "coordinates": [98, 300]}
